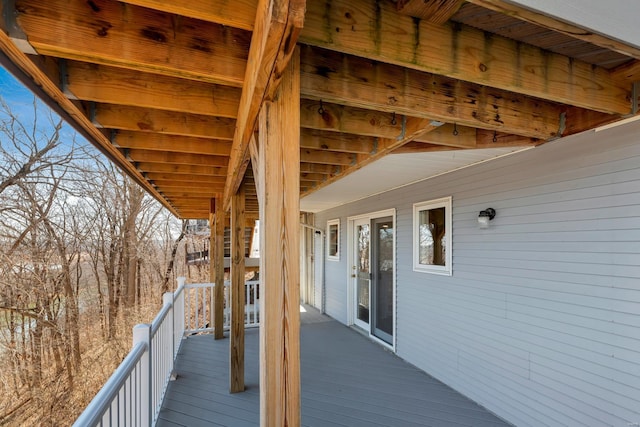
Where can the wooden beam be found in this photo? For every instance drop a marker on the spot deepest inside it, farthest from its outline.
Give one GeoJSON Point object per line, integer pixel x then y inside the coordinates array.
{"type": "Point", "coordinates": [237, 14]}
{"type": "Point", "coordinates": [189, 186]}
{"type": "Point", "coordinates": [488, 139]}
{"type": "Point", "coordinates": [280, 254]}
{"type": "Point", "coordinates": [390, 88]}
{"type": "Point", "coordinates": [312, 177]}
{"type": "Point", "coordinates": [558, 25]}
{"type": "Point", "coordinates": [434, 11]}
{"type": "Point", "coordinates": [41, 80]}
{"type": "Point", "coordinates": [341, 118]}
{"type": "Point", "coordinates": [189, 193]}
{"type": "Point", "coordinates": [218, 261]}
{"type": "Point", "coordinates": [327, 157]}
{"type": "Point", "coordinates": [255, 165]}
{"type": "Point", "coordinates": [184, 178]}
{"type": "Point", "coordinates": [278, 24]}
{"type": "Point", "coordinates": [174, 157]}
{"type": "Point", "coordinates": [161, 121]}
{"type": "Point", "coordinates": [485, 139]}
{"type": "Point", "coordinates": [237, 294]}
{"type": "Point", "coordinates": [318, 168]}
{"type": "Point", "coordinates": [451, 135]}
{"type": "Point", "coordinates": [161, 142]}
{"type": "Point", "coordinates": [362, 27]}
{"type": "Point", "coordinates": [212, 266]}
{"type": "Point", "coordinates": [128, 36]}
{"type": "Point", "coordinates": [338, 142]}
{"type": "Point", "coordinates": [181, 169]}
{"type": "Point", "coordinates": [100, 83]}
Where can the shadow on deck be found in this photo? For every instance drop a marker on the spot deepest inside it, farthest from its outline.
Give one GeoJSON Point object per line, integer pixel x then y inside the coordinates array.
{"type": "Point", "coordinates": [347, 380]}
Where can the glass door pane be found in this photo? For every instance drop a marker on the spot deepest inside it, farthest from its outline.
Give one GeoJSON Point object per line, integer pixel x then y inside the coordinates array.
{"type": "Point", "coordinates": [382, 283]}
{"type": "Point", "coordinates": [362, 271]}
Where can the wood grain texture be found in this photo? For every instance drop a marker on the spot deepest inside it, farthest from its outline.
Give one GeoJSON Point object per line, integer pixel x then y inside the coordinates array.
{"type": "Point", "coordinates": [237, 293]}
{"type": "Point", "coordinates": [374, 30]}
{"type": "Point", "coordinates": [275, 34]}
{"type": "Point", "coordinates": [161, 142]}
{"type": "Point", "coordinates": [390, 88]}
{"type": "Point", "coordinates": [106, 84]}
{"type": "Point", "coordinates": [41, 79]}
{"type": "Point", "coordinates": [555, 24]}
{"type": "Point", "coordinates": [113, 33]}
{"type": "Point", "coordinates": [434, 11]}
{"type": "Point", "coordinates": [218, 262]}
{"type": "Point", "coordinates": [232, 13]}
{"type": "Point", "coordinates": [161, 121]}
{"type": "Point", "coordinates": [280, 257]}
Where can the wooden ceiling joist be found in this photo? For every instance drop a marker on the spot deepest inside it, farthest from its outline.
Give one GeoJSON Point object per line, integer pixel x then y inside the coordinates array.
{"type": "Point", "coordinates": [81, 122]}
{"type": "Point", "coordinates": [174, 157]}
{"type": "Point", "coordinates": [554, 24]}
{"type": "Point", "coordinates": [340, 118]}
{"type": "Point", "coordinates": [374, 85]}
{"type": "Point", "coordinates": [376, 31]}
{"type": "Point", "coordinates": [161, 121]}
{"type": "Point", "coordinates": [101, 83]}
{"type": "Point", "coordinates": [160, 142]}
{"type": "Point", "coordinates": [143, 166]}
{"type": "Point", "coordinates": [237, 14]}
{"type": "Point", "coordinates": [184, 178]}
{"type": "Point", "coordinates": [338, 142]}
{"type": "Point", "coordinates": [170, 91]}
{"type": "Point", "coordinates": [434, 11]}
{"type": "Point", "coordinates": [128, 36]}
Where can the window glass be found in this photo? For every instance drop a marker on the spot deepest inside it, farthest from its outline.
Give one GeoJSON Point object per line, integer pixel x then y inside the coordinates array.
{"type": "Point", "coordinates": [432, 241]}
{"type": "Point", "coordinates": [333, 239]}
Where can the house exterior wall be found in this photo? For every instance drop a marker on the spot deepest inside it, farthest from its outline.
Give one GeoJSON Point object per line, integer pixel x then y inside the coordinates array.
{"type": "Point", "coordinates": [540, 320]}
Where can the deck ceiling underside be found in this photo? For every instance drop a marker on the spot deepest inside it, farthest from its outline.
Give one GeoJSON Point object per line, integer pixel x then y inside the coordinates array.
{"type": "Point", "coordinates": [163, 87]}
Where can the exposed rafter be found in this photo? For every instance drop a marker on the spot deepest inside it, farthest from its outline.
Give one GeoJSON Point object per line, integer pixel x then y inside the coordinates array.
{"type": "Point", "coordinates": [171, 90]}
{"type": "Point", "coordinates": [376, 31]}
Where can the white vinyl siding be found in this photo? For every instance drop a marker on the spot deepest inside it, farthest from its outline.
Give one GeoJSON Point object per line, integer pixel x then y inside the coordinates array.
{"type": "Point", "coordinates": [540, 322]}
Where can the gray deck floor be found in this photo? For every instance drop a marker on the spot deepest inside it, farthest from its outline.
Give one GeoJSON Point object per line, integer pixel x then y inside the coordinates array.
{"type": "Point", "coordinates": [347, 380]}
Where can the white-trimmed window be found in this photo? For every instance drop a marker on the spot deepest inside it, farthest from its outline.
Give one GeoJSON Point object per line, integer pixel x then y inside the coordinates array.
{"type": "Point", "coordinates": [432, 236]}
{"type": "Point", "coordinates": [333, 240]}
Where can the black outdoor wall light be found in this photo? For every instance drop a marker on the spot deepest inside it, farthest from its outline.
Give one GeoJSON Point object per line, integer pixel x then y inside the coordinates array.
{"type": "Point", "coordinates": [485, 216]}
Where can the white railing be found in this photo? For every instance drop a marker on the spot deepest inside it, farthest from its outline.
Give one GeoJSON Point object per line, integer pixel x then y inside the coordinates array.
{"type": "Point", "coordinates": [133, 395]}
{"type": "Point", "coordinates": [199, 303]}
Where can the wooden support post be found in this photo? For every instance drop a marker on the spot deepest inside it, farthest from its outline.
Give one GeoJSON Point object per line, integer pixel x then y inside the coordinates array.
{"type": "Point", "coordinates": [236, 293]}
{"type": "Point", "coordinates": [212, 266]}
{"type": "Point", "coordinates": [217, 258]}
{"type": "Point", "coordinates": [279, 165]}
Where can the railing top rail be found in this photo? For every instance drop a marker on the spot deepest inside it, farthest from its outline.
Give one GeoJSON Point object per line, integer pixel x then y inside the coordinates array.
{"type": "Point", "coordinates": [198, 285]}
{"type": "Point", "coordinates": [178, 291]}
{"type": "Point", "coordinates": [94, 412]}
{"type": "Point", "coordinates": [157, 322]}
{"type": "Point", "coordinates": [209, 284]}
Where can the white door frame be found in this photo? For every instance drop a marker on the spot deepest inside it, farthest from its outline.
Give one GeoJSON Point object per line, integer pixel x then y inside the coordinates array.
{"type": "Point", "coordinates": [351, 281]}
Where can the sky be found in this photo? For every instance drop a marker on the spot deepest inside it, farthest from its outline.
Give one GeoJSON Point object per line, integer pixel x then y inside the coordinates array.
{"type": "Point", "coordinates": [20, 101]}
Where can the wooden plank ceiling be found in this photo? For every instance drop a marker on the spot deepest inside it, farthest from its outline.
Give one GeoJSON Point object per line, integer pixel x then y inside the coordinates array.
{"type": "Point", "coordinates": [170, 90]}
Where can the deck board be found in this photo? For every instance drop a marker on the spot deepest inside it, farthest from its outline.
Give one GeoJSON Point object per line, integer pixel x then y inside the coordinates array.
{"type": "Point", "coordinates": [347, 380]}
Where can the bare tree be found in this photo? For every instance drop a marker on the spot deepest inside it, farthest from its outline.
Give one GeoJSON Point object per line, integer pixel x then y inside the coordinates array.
{"type": "Point", "coordinates": [84, 254]}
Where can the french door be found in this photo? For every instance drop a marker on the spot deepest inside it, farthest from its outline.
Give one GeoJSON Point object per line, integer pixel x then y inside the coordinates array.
{"type": "Point", "coordinates": [373, 265]}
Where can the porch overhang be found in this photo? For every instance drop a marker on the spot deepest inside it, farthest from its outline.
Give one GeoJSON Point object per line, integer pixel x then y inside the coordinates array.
{"type": "Point", "coordinates": [185, 97]}
{"type": "Point", "coordinates": [171, 93]}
